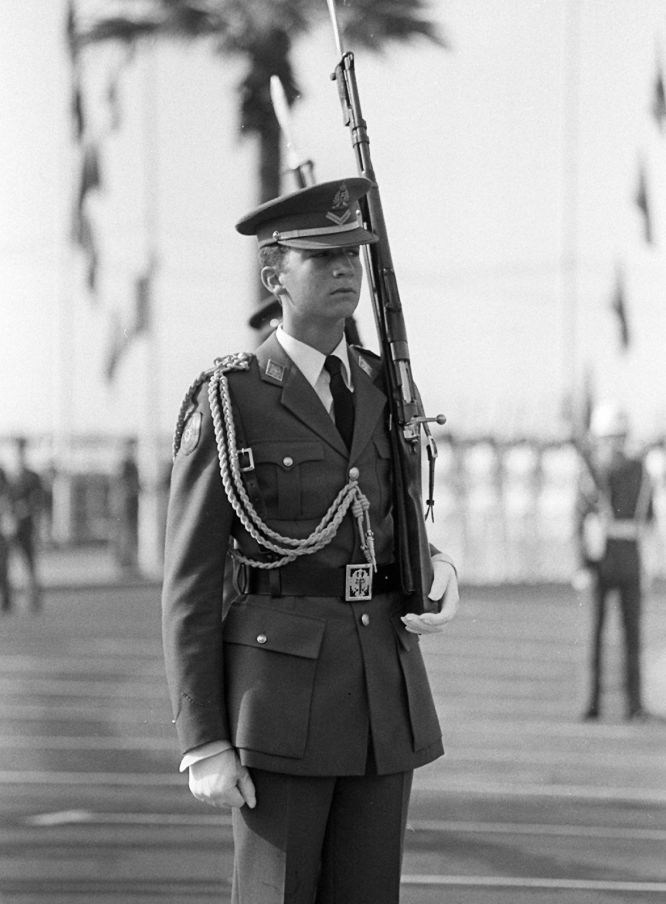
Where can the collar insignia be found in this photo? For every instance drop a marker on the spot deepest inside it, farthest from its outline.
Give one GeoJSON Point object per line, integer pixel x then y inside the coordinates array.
{"type": "Point", "coordinates": [365, 366]}
{"type": "Point", "coordinates": [275, 371]}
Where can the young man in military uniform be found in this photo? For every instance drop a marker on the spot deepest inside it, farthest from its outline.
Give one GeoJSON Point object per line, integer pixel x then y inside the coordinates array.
{"type": "Point", "coordinates": [614, 505]}
{"type": "Point", "coordinates": [307, 707]}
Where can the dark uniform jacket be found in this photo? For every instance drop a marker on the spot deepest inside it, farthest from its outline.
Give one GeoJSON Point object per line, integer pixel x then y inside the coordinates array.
{"type": "Point", "coordinates": [300, 684]}
{"type": "Point", "coordinates": [625, 498]}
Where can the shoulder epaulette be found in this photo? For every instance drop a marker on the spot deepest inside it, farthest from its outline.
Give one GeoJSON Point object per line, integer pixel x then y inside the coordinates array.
{"type": "Point", "coordinates": [368, 360]}
{"type": "Point", "coordinates": [225, 363]}
{"type": "Point", "coordinates": [235, 361]}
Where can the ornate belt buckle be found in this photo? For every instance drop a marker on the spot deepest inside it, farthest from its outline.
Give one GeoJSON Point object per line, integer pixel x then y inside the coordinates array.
{"type": "Point", "coordinates": [358, 583]}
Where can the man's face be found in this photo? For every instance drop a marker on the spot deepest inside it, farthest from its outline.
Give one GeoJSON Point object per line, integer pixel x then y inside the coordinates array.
{"type": "Point", "coordinates": [318, 285]}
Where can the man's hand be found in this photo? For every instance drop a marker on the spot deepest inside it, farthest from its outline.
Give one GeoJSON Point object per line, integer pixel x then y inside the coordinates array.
{"type": "Point", "coordinates": [221, 781]}
{"type": "Point", "coordinates": [445, 588]}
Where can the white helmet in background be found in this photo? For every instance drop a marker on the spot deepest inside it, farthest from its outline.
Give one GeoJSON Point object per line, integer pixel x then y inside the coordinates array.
{"type": "Point", "coordinates": [609, 420]}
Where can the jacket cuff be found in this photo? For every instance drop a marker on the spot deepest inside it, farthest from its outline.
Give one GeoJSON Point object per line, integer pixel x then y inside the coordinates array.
{"type": "Point", "coordinates": [203, 752]}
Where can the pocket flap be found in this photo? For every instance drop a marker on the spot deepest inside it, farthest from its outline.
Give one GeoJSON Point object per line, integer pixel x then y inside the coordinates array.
{"type": "Point", "coordinates": [270, 629]}
{"type": "Point", "coordinates": [286, 454]}
{"type": "Point", "coordinates": [382, 446]}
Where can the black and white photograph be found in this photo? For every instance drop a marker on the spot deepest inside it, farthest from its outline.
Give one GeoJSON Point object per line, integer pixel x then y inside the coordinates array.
{"type": "Point", "coordinates": [333, 451]}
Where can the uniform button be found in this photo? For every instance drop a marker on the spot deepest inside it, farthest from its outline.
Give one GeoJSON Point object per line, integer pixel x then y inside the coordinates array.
{"type": "Point", "coordinates": [365, 619]}
{"type": "Point", "coordinates": [287, 461]}
{"type": "Point", "coordinates": [261, 638]}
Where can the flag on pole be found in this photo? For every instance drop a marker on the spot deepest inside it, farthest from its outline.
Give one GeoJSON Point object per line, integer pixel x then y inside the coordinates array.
{"type": "Point", "coordinates": [619, 308]}
{"type": "Point", "coordinates": [659, 100]}
{"type": "Point", "coordinates": [142, 301]}
{"type": "Point", "coordinates": [120, 338]}
{"type": "Point", "coordinates": [586, 402]}
{"type": "Point", "coordinates": [117, 343]}
{"type": "Point", "coordinates": [90, 178]}
{"type": "Point", "coordinates": [84, 236]}
{"type": "Point", "coordinates": [77, 111]}
{"type": "Point", "coordinates": [70, 30]}
{"type": "Point", "coordinates": [643, 203]}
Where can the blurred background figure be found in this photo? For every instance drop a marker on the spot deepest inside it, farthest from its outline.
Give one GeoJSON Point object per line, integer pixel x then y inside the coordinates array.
{"type": "Point", "coordinates": [126, 490]}
{"type": "Point", "coordinates": [266, 318]}
{"type": "Point", "coordinates": [48, 477]}
{"type": "Point", "coordinates": [614, 506]}
{"type": "Point", "coordinates": [27, 503]}
{"type": "Point", "coordinates": [6, 533]}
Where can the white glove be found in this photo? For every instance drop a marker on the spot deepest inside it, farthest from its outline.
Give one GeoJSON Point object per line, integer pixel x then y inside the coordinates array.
{"type": "Point", "coordinates": [221, 781]}
{"type": "Point", "coordinates": [445, 588]}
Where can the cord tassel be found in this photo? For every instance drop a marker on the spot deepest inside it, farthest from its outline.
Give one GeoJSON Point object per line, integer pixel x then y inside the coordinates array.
{"type": "Point", "coordinates": [287, 549]}
{"type": "Point", "coordinates": [361, 511]}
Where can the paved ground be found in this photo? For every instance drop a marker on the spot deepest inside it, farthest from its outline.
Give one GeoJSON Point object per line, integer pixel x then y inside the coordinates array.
{"type": "Point", "coordinates": [529, 805]}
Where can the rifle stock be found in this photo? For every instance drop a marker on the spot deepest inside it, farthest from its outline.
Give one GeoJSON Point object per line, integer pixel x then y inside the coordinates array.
{"type": "Point", "coordinates": [407, 417]}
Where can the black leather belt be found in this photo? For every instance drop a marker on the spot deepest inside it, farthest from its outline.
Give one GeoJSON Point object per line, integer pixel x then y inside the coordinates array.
{"type": "Point", "coordinates": [349, 583]}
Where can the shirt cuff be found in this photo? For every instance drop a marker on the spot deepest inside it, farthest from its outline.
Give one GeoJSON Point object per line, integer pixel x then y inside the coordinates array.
{"type": "Point", "coordinates": [203, 752]}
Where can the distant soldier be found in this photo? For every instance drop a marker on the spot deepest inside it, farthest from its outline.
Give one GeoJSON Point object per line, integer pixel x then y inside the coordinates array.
{"type": "Point", "coordinates": [614, 505]}
{"type": "Point", "coordinates": [27, 497]}
{"type": "Point", "coordinates": [126, 505]}
{"type": "Point", "coordinates": [6, 533]}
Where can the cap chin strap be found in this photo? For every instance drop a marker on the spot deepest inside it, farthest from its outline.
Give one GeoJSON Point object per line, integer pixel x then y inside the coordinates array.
{"type": "Point", "coordinates": [278, 236]}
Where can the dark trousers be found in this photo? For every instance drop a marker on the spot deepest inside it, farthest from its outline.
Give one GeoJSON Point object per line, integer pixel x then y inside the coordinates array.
{"type": "Point", "coordinates": [24, 542]}
{"type": "Point", "coordinates": [5, 587]}
{"type": "Point", "coordinates": [629, 591]}
{"type": "Point", "coordinates": [313, 840]}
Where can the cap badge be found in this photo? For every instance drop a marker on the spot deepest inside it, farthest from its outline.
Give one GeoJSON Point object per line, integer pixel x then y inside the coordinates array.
{"type": "Point", "coordinates": [341, 202]}
{"type": "Point", "coordinates": [341, 198]}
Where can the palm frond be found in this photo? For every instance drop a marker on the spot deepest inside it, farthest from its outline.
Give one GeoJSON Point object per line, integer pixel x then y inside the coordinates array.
{"type": "Point", "coordinates": [376, 23]}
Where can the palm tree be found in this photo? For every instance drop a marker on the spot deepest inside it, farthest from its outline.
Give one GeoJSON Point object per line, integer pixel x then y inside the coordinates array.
{"type": "Point", "coordinates": [259, 31]}
{"type": "Point", "coordinates": [262, 32]}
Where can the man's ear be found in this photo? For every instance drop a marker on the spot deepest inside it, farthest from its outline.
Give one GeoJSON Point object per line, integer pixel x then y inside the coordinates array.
{"type": "Point", "coordinates": [270, 278]}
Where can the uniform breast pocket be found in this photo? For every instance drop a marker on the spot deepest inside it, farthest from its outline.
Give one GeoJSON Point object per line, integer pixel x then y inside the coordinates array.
{"type": "Point", "coordinates": [287, 473]}
{"type": "Point", "coordinates": [270, 661]}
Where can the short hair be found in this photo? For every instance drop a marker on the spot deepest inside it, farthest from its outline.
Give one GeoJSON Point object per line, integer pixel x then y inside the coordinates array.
{"type": "Point", "coordinates": [272, 256]}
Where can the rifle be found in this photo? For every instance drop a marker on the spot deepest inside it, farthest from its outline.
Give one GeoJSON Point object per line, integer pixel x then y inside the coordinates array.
{"type": "Point", "coordinates": [300, 166]}
{"type": "Point", "coordinates": [407, 417]}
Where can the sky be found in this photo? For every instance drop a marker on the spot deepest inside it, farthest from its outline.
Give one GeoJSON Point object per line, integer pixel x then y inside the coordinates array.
{"type": "Point", "coordinates": [508, 167]}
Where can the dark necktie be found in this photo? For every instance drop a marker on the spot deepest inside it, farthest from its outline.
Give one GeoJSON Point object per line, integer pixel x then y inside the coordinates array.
{"type": "Point", "coordinates": [343, 403]}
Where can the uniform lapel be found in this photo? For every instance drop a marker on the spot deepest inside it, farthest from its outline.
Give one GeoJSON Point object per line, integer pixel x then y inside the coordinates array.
{"type": "Point", "coordinates": [276, 367]}
{"type": "Point", "coordinates": [369, 402]}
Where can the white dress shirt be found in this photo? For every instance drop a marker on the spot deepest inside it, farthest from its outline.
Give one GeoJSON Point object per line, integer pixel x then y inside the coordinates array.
{"type": "Point", "coordinates": [310, 362]}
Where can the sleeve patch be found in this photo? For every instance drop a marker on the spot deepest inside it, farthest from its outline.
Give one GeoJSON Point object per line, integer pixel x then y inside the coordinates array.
{"type": "Point", "coordinates": [191, 433]}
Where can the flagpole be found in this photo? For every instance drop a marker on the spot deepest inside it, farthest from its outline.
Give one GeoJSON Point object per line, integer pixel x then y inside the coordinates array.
{"type": "Point", "coordinates": [570, 287]}
{"type": "Point", "coordinates": [149, 446]}
{"type": "Point", "coordinates": [66, 347]}
{"type": "Point", "coordinates": [65, 418]}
